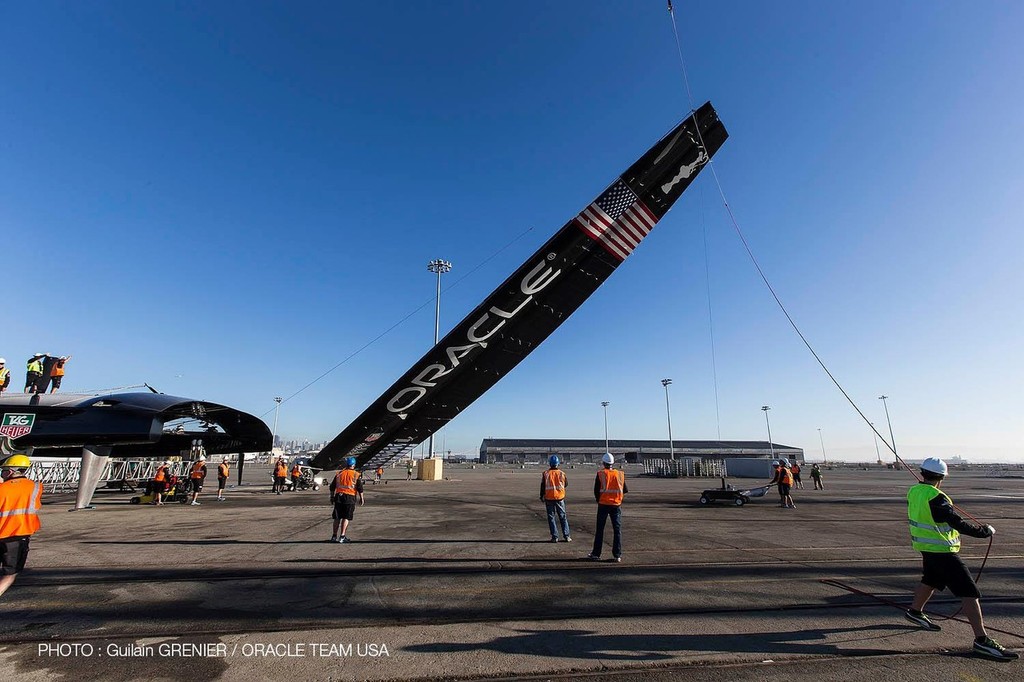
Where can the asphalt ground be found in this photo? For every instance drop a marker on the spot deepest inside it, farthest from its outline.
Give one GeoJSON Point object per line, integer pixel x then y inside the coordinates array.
{"type": "Point", "coordinates": [457, 579]}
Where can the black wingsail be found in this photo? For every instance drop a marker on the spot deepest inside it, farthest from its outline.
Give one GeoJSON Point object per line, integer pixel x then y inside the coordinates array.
{"type": "Point", "coordinates": [532, 302]}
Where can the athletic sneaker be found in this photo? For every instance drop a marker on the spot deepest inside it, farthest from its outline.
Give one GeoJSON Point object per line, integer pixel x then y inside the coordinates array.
{"type": "Point", "coordinates": [334, 538]}
{"type": "Point", "coordinates": [990, 648]}
{"type": "Point", "coordinates": [568, 539]}
{"type": "Point", "coordinates": [919, 618]}
{"type": "Point", "coordinates": [554, 540]}
{"type": "Point", "coordinates": [343, 540]}
{"type": "Point", "coordinates": [617, 559]}
{"type": "Point", "coordinates": [593, 557]}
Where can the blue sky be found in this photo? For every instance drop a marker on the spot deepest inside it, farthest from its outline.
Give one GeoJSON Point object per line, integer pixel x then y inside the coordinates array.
{"type": "Point", "coordinates": [227, 199]}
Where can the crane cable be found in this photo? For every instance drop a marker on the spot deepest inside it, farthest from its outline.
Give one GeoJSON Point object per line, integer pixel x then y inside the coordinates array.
{"type": "Point", "coordinates": [771, 289]}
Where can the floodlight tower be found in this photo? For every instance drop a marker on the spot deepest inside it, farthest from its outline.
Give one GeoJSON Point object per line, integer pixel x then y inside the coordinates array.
{"type": "Point", "coordinates": [771, 446]}
{"type": "Point", "coordinates": [605, 405]}
{"type": "Point", "coordinates": [668, 411]}
{"type": "Point", "coordinates": [439, 267]}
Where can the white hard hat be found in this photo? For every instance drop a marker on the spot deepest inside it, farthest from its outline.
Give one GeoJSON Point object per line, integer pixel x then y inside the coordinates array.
{"type": "Point", "coordinates": [784, 462]}
{"type": "Point", "coordinates": [3, 361]}
{"type": "Point", "coordinates": [775, 462]}
{"type": "Point", "coordinates": [934, 465]}
{"type": "Point", "coordinates": [607, 458]}
{"type": "Point", "coordinates": [202, 457]}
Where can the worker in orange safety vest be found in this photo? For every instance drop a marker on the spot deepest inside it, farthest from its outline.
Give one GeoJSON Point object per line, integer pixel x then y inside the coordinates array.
{"type": "Point", "coordinates": [553, 483]}
{"type": "Point", "coordinates": [20, 500]}
{"type": "Point", "coordinates": [280, 475]}
{"type": "Point", "coordinates": [609, 488]}
{"type": "Point", "coordinates": [346, 490]}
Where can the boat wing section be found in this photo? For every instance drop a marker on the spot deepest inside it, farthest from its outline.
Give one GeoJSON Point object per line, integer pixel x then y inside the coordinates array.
{"type": "Point", "coordinates": [529, 305]}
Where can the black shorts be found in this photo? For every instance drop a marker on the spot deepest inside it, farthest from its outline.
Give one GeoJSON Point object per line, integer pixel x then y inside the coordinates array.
{"type": "Point", "coordinates": [784, 489]}
{"type": "Point", "coordinates": [31, 378]}
{"type": "Point", "coordinates": [344, 508]}
{"type": "Point", "coordinates": [796, 478]}
{"type": "Point", "coordinates": [197, 485]}
{"type": "Point", "coordinates": [222, 482]}
{"type": "Point", "coordinates": [947, 570]}
{"type": "Point", "coordinates": [13, 553]}
{"type": "Point", "coordinates": [159, 486]}
{"type": "Point", "coordinates": [55, 381]}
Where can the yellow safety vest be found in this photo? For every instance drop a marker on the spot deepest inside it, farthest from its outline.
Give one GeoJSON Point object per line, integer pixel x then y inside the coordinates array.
{"type": "Point", "coordinates": [925, 534]}
{"type": "Point", "coordinates": [34, 366]}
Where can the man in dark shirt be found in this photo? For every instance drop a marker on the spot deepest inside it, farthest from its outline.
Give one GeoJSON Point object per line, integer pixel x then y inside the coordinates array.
{"type": "Point", "coordinates": [935, 530]}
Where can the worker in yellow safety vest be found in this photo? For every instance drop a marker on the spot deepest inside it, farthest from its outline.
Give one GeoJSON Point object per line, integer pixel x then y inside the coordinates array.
{"type": "Point", "coordinates": [609, 488]}
{"type": "Point", "coordinates": [552, 491]}
{"type": "Point", "coordinates": [20, 500]}
{"type": "Point", "coordinates": [935, 530]}
{"type": "Point", "coordinates": [33, 370]}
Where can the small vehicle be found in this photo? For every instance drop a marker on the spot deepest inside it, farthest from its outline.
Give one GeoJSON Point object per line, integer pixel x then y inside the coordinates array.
{"type": "Point", "coordinates": [177, 491]}
{"type": "Point", "coordinates": [731, 495]}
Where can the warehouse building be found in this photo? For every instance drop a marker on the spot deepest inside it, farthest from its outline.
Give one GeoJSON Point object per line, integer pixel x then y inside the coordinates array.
{"type": "Point", "coordinates": [537, 450]}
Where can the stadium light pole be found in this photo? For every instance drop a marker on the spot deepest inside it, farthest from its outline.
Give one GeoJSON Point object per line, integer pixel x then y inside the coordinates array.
{"type": "Point", "coordinates": [439, 267]}
{"type": "Point", "coordinates": [605, 405]}
{"type": "Point", "coordinates": [277, 412]}
{"type": "Point", "coordinates": [771, 446]}
{"type": "Point", "coordinates": [668, 411]}
{"type": "Point", "coordinates": [824, 458]}
{"type": "Point", "coordinates": [892, 438]}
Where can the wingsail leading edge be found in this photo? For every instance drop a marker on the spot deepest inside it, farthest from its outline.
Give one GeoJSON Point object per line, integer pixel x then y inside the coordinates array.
{"type": "Point", "coordinates": [532, 302]}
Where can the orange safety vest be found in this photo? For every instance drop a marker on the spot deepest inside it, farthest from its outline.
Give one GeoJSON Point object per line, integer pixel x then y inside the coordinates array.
{"type": "Point", "coordinates": [280, 470]}
{"type": "Point", "coordinates": [795, 468]}
{"type": "Point", "coordinates": [785, 477]}
{"type": "Point", "coordinates": [554, 484]}
{"type": "Point", "coordinates": [57, 370]}
{"type": "Point", "coordinates": [20, 500]}
{"type": "Point", "coordinates": [197, 471]}
{"type": "Point", "coordinates": [222, 470]}
{"type": "Point", "coordinates": [380, 472]}
{"type": "Point", "coordinates": [161, 474]}
{"type": "Point", "coordinates": [296, 471]}
{"type": "Point", "coordinates": [612, 484]}
{"type": "Point", "coordinates": [345, 482]}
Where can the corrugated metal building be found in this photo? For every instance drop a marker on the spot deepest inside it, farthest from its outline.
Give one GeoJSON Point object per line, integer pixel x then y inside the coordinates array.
{"type": "Point", "coordinates": [530, 450]}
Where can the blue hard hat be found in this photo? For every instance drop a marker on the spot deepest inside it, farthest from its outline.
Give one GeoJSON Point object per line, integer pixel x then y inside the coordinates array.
{"type": "Point", "coordinates": [350, 461]}
{"type": "Point", "coordinates": [553, 460]}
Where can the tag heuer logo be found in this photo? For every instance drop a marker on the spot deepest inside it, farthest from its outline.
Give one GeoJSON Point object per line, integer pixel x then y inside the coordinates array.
{"type": "Point", "coordinates": [17, 425]}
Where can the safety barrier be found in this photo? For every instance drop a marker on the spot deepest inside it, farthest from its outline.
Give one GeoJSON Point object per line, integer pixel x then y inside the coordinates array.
{"type": "Point", "coordinates": [685, 466]}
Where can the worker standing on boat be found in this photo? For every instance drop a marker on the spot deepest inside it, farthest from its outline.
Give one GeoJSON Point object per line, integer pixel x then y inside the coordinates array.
{"type": "Point", "coordinates": [5, 375]}
{"type": "Point", "coordinates": [56, 373]}
{"type": "Point", "coordinates": [935, 530]}
{"type": "Point", "coordinates": [20, 500]}
{"type": "Point", "coordinates": [33, 370]}
{"type": "Point", "coordinates": [553, 483]}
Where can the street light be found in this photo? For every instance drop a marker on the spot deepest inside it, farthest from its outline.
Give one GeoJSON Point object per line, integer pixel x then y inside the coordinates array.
{"type": "Point", "coordinates": [892, 438]}
{"type": "Point", "coordinates": [668, 411]}
{"type": "Point", "coordinates": [277, 411]}
{"type": "Point", "coordinates": [824, 459]}
{"type": "Point", "coordinates": [765, 408]}
{"type": "Point", "coordinates": [439, 267]}
{"type": "Point", "coordinates": [605, 405]}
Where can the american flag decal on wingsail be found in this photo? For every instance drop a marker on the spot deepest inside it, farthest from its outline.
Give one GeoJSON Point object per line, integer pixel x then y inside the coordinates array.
{"type": "Point", "coordinates": [617, 220]}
